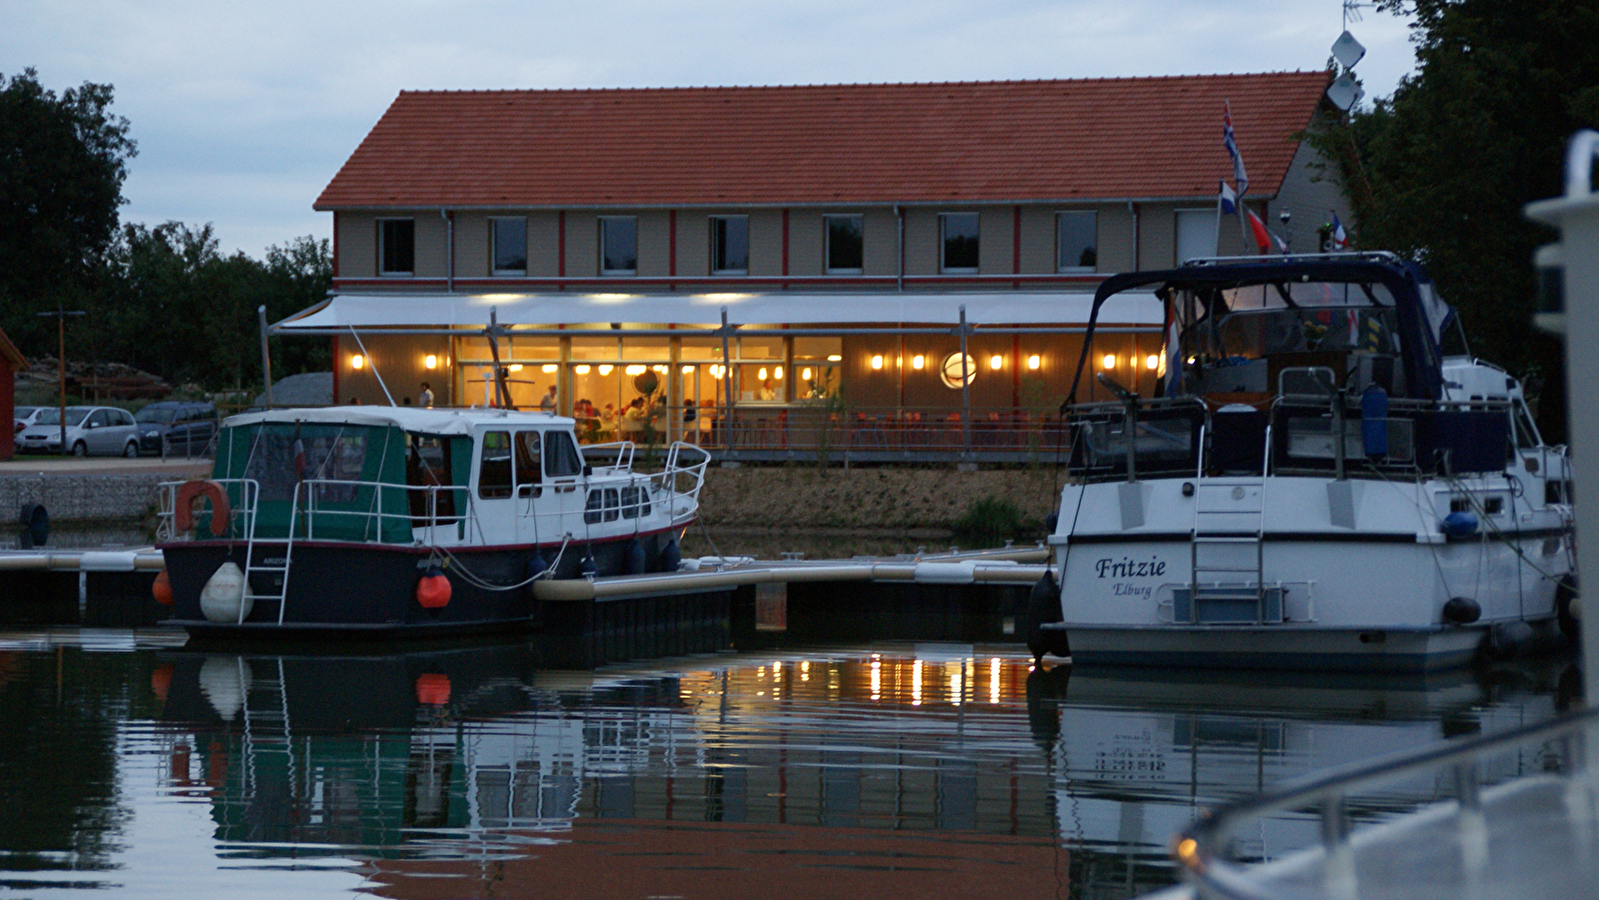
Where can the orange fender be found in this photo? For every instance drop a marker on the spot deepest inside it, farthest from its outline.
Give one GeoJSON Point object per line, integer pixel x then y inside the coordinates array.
{"type": "Point", "coordinates": [190, 491]}
{"type": "Point", "coordinates": [161, 588]}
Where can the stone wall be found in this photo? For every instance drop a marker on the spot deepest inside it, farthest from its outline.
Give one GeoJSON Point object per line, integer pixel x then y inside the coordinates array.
{"type": "Point", "coordinates": [80, 498]}
{"type": "Point", "coordinates": [876, 498]}
{"type": "Point", "coordinates": [750, 497]}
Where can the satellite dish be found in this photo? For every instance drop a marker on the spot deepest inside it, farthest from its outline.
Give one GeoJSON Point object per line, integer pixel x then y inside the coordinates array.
{"type": "Point", "coordinates": [1347, 50]}
{"type": "Point", "coordinates": [1344, 93]}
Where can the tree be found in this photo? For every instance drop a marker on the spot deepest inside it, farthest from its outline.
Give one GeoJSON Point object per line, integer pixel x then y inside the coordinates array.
{"type": "Point", "coordinates": [1463, 145]}
{"type": "Point", "coordinates": [62, 164]}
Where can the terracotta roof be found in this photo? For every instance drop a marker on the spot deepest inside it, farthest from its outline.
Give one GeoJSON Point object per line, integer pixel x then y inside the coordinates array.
{"type": "Point", "coordinates": [827, 144]}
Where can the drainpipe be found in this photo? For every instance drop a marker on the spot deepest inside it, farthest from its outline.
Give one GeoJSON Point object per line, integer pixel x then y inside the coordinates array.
{"type": "Point", "coordinates": [1132, 208]}
{"type": "Point", "coordinates": [449, 249]}
{"type": "Point", "coordinates": [899, 283]}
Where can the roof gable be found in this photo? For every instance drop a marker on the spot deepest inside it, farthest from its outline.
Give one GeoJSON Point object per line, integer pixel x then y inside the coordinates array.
{"type": "Point", "coordinates": [827, 144]}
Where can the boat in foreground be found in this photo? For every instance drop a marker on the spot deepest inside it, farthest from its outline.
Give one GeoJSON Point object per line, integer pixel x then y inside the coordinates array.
{"type": "Point", "coordinates": [367, 521]}
{"type": "Point", "coordinates": [1318, 482]}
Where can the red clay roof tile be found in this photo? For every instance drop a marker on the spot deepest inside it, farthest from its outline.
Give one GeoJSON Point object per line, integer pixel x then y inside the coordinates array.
{"type": "Point", "coordinates": [827, 144]}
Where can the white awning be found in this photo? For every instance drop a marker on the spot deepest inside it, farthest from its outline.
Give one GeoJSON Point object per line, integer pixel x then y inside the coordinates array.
{"type": "Point", "coordinates": [1053, 309]}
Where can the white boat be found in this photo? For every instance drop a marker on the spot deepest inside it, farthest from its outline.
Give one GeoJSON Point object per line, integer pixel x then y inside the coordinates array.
{"type": "Point", "coordinates": [371, 520]}
{"type": "Point", "coordinates": [1316, 485]}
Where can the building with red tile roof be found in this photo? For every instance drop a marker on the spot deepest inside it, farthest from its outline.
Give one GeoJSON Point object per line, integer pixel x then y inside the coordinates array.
{"type": "Point", "coordinates": [793, 211]}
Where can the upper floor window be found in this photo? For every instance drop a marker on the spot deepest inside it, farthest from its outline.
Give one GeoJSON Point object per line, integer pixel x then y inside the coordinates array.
{"type": "Point", "coordinates": [618, 245]}
{"type": "Point", "coordinates": [958, 236]}
{"type": "Point", "coordinates": [730, 245]}
{"type": "Point", "coordinates": [396, 246]}
{"type": "Point", "coordinates": [508, 245]}
{"type": "Point", "coordinates": [845, 244]}
{"type": "Point", "coordinates": [1076, 241]}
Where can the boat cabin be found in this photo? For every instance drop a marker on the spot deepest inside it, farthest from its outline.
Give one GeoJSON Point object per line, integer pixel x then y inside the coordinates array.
{"type": "Point", "coordinates": [1311, 364]}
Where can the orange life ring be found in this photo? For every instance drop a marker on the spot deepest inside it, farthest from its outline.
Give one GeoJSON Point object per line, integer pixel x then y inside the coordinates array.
{"type": "Point", "coordinates": [190, 491]}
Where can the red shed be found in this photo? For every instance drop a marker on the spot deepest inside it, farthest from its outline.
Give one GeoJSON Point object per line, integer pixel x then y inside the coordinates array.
{"type": "Point", "coordinates": [11, 362]}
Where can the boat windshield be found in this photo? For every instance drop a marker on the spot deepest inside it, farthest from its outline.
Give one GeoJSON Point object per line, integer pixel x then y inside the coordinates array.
{"type": "Point", "coordinates": [1240, 340]}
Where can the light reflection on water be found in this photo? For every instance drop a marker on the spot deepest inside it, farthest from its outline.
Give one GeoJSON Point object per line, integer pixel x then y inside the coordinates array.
{"type": "Point", "coordinates": [880, 770]}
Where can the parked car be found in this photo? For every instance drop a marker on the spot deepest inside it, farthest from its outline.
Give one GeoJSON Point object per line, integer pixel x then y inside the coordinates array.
{"type": "Point", "coordinates": [24, 416]}
{"type": "Point", "coordinates": [186, 427]}
{"type": "Point", "coordinates": [90, 429]}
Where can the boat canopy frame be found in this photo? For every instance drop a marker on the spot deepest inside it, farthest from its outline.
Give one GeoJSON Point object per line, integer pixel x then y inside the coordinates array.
{"type": "Point", "coordinates": [1421, 315]}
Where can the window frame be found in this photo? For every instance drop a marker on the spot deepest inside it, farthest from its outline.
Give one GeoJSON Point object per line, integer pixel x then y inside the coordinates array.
{"type": "Point", "coordinates": [719, 244]}
{"type": "Point", "coordinates": [386, 243]}
{"type": "Point", "coordinates": [604, 223]}
{"type": "Point", "coordinates": [1060, 264]}
{"type": "Point", "coordinates": [495, 269]}
{"type": "Point", "coordinates": [827, 243]}
{"type": "Point", "coordinates": [944, 219]}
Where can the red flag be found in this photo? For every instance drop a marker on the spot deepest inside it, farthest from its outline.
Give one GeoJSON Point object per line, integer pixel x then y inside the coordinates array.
{"type": "Point", "coordinates": [1262, 236]}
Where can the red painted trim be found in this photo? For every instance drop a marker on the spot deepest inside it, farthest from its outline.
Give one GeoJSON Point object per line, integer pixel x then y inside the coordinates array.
{"type": "Point", "coordinates": [335, 369]}
{"type": "Point", "coordinates": [335, 245]}
{"type": "Point", "coordinates": [671, 243]}
{"type": "Point", "coordinates": [1016, 242]}
{"type": "Point", "coordinates": [721, 282]}
{"type": "Point", "coordinates": [785, 243]}
{"type": "Point", "coordinates": [560, 243]}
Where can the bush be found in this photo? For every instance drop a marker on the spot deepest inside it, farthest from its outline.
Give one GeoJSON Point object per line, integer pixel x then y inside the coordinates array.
{"type": "Point", "coordinates": [992, 519]}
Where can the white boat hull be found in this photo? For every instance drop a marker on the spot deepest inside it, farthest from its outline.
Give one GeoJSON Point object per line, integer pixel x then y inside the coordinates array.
{"type": "Point", "coordinates": [1352, 575]}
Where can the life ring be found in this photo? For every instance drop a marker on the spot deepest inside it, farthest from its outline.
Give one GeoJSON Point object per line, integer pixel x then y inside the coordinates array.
{"type": "Point", "coordinates": [190, 491]}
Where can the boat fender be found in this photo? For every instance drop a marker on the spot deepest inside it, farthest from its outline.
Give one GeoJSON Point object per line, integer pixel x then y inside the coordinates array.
{"type": "Point", "coordinates": [589, 568]}
{"type": "Point", "coordinates": [161, 588]}
{"type": "Point", "coordinates": [188, 492]}
{"type": "Point", "coordinates": [433, 689]}
{"type": "Point", "coordinates": [1043, 606]}
{"type": "Point", "coordinates": [536, 564]}
{"type": "Point", "coordinates": [35, 520]}
{"type": "Point", "coordinates": [1461, 611]}
{"type": "Point", "coordinates": [1374, 421]}
{"type": "Point", "coordinates": [1568, 612]}
{"type": "Point", "coordinates": [633, 562]}
{"type": "Point", "coordinates": [433, 589]}
{"type": "Point", "coordinates": [224, 599]}
{"type": "Point", "coordinates": [671, 556]}
{"type": "Point", "coordinates": [1459, 525]}
{"type": "Point", "coordinates": [1508, 639]}
{"type": "Point", "coordinates": [1051, 522]}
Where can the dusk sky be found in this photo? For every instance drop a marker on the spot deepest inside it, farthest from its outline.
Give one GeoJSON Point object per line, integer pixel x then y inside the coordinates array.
{"type": "Point", "coordinates": [243, 113]}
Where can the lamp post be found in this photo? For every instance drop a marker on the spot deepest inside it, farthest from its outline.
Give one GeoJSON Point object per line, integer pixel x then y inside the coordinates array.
{"type": "Point", "coordinates": [61, 365]}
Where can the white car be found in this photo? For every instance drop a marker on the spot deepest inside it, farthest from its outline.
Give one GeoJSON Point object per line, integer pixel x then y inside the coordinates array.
{"type": "Point", "coordinates": [23, 416]}
{"type": "Point", "coordinates": [90, 429]}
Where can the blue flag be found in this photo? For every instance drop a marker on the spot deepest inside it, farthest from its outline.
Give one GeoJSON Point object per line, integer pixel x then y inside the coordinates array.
{"type": "Point", "coordinates": [1232, 150]}
{"type": "Point", "coordinates": [1228, 200]}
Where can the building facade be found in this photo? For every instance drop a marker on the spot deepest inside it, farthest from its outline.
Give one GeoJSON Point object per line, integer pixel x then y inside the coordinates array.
{"type": "Point", "coordinates": [782, 258]}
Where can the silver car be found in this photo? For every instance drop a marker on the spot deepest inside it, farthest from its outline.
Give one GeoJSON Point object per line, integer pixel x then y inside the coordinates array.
{"type": "Point", "coordinates": [90, 429]}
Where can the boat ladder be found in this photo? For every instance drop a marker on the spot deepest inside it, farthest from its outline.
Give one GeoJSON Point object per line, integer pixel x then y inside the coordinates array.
{"type": "Point", "coordinates": [1227, 583]}
{"type": "Point", "coordinates": [273, 570]}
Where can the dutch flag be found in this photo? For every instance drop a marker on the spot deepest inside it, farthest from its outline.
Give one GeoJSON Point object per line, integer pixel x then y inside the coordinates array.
{"type": "Point", "coordinates": [1232, 150]}
{"type": "Point", "coordinates": [1340, 239]}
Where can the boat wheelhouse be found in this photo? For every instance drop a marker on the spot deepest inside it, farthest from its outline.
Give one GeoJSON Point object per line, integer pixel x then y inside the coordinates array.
{"type": "Point", "coordinates": [428, 521]}
{"type": "Point", "coordinates": [1315, 484]}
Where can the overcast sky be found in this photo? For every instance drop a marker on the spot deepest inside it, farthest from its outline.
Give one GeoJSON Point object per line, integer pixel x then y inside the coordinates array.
{"type": "Point", "coordinates": [244, 113]}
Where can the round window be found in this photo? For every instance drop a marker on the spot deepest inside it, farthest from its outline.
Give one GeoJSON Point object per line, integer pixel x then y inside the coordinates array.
{"type": "Point", "coordinates": [950, 371]}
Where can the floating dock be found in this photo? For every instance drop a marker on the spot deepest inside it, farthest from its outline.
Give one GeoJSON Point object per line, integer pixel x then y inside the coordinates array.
{"type": "Point", "coordinates": [712, 603]}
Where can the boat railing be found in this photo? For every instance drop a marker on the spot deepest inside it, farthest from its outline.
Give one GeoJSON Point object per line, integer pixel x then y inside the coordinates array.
{"type": "Point", "coordinates": [1525, 793]}
{"type": "Point", "coordinates": [683, 476]}
{"type": "Point", "coordinates": [242, 495]}
{"type": "Point", "coordinates": [1293, 433]}
{"type": "Point", "coordinates": [616, 456]}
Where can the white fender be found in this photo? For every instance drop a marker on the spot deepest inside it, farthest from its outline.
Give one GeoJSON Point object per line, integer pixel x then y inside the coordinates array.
{"type": "Point", "coordinates": [223, 599]}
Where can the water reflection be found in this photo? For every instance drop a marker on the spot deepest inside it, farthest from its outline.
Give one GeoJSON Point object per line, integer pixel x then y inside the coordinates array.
{"type": "Point", "coordinates": [885, 769]}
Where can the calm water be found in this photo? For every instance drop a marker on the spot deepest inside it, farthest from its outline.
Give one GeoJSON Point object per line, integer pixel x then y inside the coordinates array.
{"type": "Point", "coordinates": [137, 768]}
